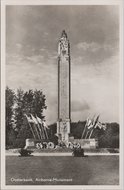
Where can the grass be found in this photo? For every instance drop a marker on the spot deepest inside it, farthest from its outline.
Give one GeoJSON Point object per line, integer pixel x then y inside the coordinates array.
{"type": "Point", "coordinates": [93, 170]}
{"type": "Point", "coordinates": [64, 149]}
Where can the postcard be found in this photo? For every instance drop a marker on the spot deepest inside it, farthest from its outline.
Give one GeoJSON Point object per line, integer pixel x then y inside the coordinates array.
{"type": "Point", "coordinates": [62, 94]}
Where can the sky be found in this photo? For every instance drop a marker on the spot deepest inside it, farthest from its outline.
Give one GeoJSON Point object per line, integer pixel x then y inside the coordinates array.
{"type": "Point", "coordinates": [32, 35]}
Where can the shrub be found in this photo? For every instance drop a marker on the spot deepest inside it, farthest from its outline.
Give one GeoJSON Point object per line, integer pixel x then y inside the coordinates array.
{"type": "Point", "coordinates": [78, 152]}
{"type": "Point", "coordinates": [25, 152]}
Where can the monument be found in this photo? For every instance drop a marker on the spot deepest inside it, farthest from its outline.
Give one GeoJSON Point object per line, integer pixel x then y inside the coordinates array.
{"type": "Point", "coordinates": [64, 88]}
{"type": "Point", "coordinates": [39, 131]}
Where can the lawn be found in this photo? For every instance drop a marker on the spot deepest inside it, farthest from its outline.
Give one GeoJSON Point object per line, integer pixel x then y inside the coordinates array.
{"type": "Point", "coordinates": [62, 170]}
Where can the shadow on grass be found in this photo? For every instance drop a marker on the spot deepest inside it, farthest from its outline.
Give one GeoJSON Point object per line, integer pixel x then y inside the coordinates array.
{"type": "Point", "coordinates": [25, 156]}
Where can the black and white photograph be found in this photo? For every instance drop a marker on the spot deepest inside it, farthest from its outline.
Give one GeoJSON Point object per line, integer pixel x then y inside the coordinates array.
{"type": "Point", "coordinates": [61, 95]}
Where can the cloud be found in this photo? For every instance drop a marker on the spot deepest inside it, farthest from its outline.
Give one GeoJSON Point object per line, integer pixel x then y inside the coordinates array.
{"type": "Point", "coordinates": [19, 46]}
{"type": "Point", "coordinates": [34, 72]}
{"type": "Point", "coordinates": [14, 59]}
{"type": "Point", "coordinates": [93, 47]}
{"type": "Point", "coordinates": [94, 88]}
{"type": "Point", "coordinates": [99, 86]}
{"type": "Point", "coordinates": [93, 53]}
{"type": "Point", "coordinates": [93, 31]}
{"type": "Point", "coordinates": [35, 58]}
{"type": "Point", "coordinates": [79, 106]}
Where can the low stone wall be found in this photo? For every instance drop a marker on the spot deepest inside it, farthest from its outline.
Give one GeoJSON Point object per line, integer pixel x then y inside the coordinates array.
{"type": "Point", "coordinates": [85, 143]}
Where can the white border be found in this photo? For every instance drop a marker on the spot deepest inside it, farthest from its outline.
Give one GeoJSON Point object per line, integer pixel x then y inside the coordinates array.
{"type": "Point", "coordinates": [3, 94]}
{"type": "Point", "coordinates": [62, 2]}
{"type": "Point", "coordinates": [3, 26]}
{"type": "Point", "coordinates": [121, 97]}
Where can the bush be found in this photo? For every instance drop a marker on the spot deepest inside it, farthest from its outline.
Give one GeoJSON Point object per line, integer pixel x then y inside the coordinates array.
{"type": "Point", "coordinates": [78, 152]}
{"type": "Point", "coordinates": [25, 152]}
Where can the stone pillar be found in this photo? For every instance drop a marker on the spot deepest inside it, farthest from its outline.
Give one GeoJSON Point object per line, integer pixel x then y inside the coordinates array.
{"type": "Point", "coordinates": [63, 123]}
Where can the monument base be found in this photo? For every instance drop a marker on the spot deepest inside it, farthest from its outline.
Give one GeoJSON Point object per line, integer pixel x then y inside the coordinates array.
{"type": "Point", "coordinates": [85, 143]}
{"type": "Point", "coordinates": [30, 143]}
{"type": "Point", "coordinates": [63, 130]}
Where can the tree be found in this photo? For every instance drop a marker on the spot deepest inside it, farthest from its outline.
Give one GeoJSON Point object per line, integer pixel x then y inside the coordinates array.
{"type": "Point", "coordinates": [19, 109]}
{"type": "Point", "coordinates": [34, 103]}
{"type": "Point", "coordinates": [10, 101]}
{"type": "Point", "coordinates": [29, 102]}
{"type": "Point", "coordinates": [77, 129]}
{"type": "Point", "coordinates": [110, 137]}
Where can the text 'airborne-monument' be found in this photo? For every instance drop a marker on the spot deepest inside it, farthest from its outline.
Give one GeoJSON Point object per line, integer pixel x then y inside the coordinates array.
{"type": "Point", "coordinates": [64, 117]}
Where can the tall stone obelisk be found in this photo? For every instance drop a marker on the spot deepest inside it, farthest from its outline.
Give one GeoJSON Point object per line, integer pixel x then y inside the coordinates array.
{"type": "Point", "coordinates": [64, 117]}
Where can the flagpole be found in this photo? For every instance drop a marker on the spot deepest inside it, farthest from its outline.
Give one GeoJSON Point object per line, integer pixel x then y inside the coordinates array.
{"type": "Point", "coordinates": [32, 130]}
{"type": "Point", "coordinates": [46, 132]}
{"type": "Point", "coordinates": [46, 127]}
{"type": "Point", "coordinates": [39, 131]}
{"type": "Point", "coordinates": [83, 132]}
{"type": "Point", "coordinates": [86, 134]}
{"type": "Point", "coordinates": [91, 133]}
{"type": "Point", "coordinates": [30, 127]}
{"type": "Point", "coordinates": [94, 125]}
{"type": "Point", "coordinates": [92, 130]}
{"type": "Point", "coordinates": [35, 127]}
{"type": "Point", "coordinates": [39, 128]}
{"type": "Point", "coordinates": [42, 128]}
